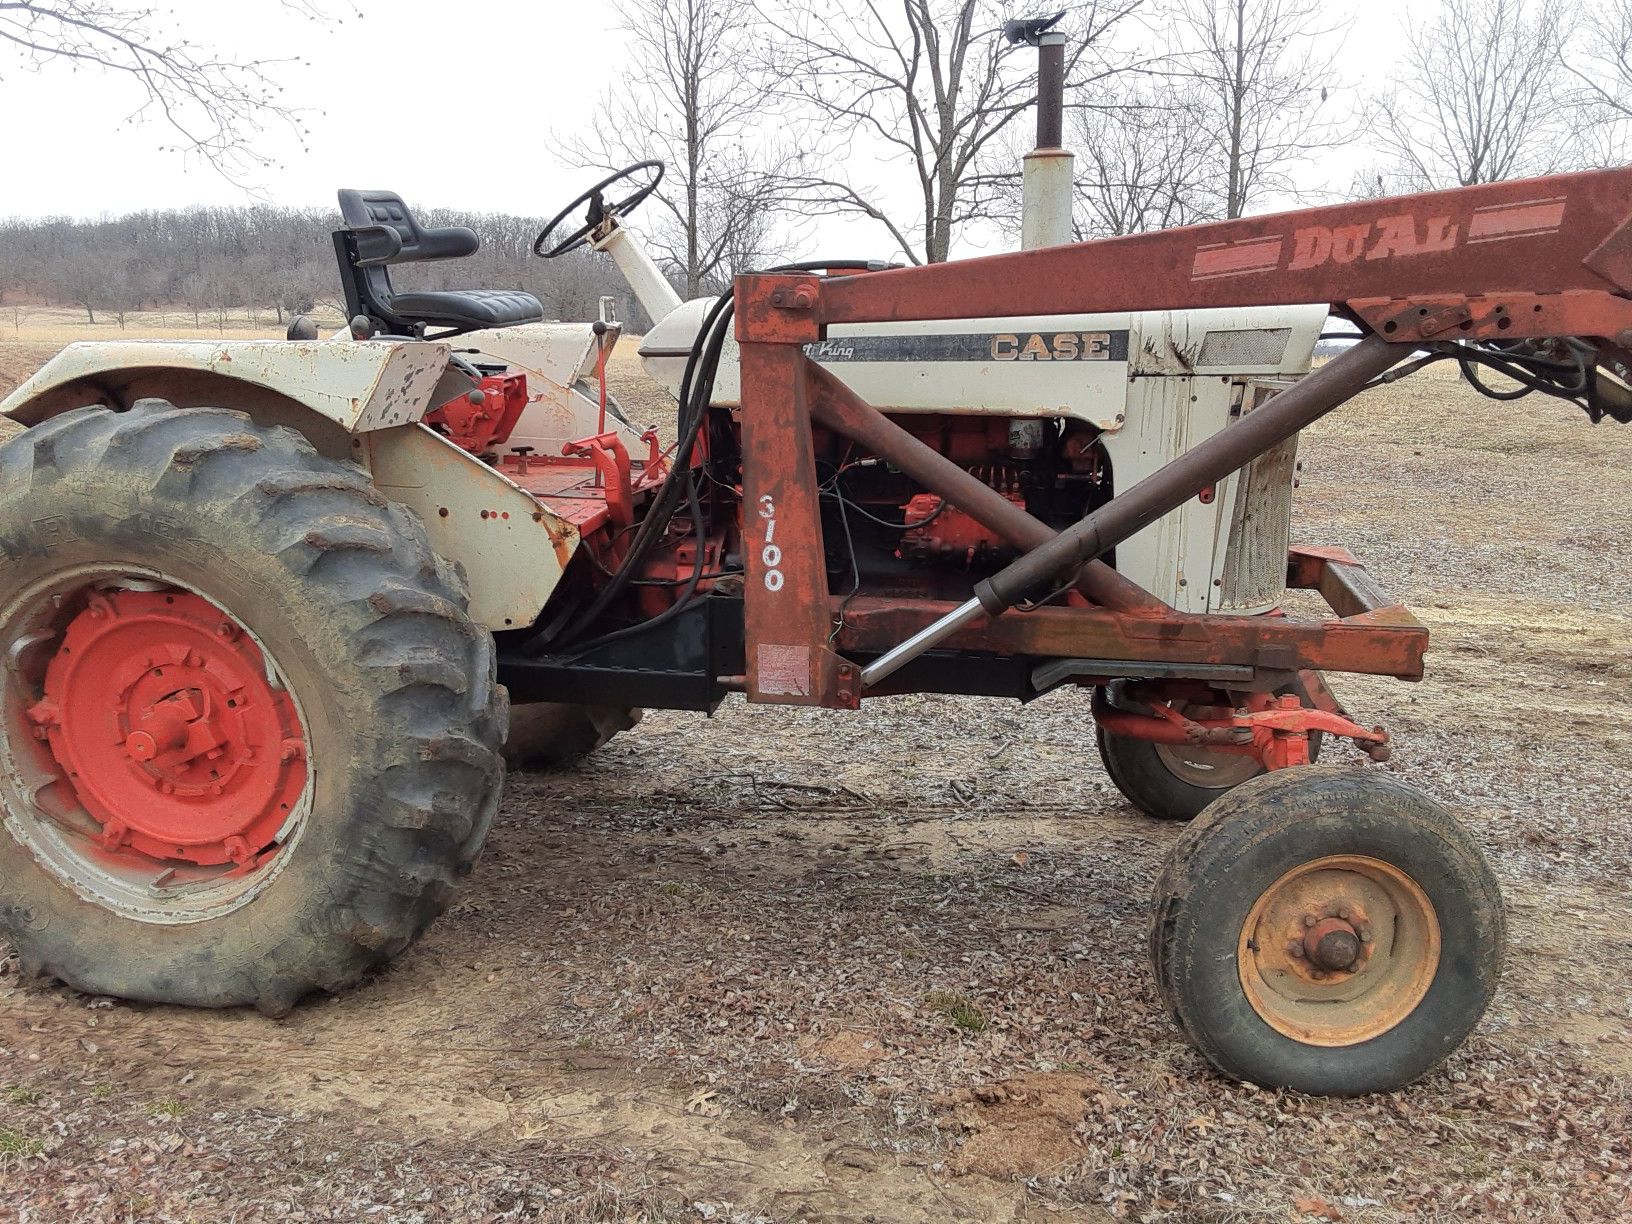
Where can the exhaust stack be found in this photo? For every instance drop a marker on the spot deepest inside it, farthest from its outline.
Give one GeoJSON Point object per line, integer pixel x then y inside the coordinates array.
{"type": "Point", "coordinates": [1049, 169]}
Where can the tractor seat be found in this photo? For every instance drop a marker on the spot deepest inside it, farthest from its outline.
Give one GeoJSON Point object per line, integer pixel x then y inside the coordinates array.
{"type": "Point", "coordinates": [380, 231]}
{"type": "Point", "coordinates": [469, 307]}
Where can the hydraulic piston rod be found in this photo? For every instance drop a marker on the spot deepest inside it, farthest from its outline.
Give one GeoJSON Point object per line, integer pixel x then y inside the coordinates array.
{"type": "Point", "coordinates": [1159, 493]}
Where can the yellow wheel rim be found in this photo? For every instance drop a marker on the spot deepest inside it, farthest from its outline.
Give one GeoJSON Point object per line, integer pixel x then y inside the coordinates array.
{"type": "Point", "coordinates": [1339, 950]}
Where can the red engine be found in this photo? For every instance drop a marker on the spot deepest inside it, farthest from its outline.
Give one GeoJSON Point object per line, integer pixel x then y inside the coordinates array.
{"type": "Point", "coordinates": [941, 532]}
{"type": "Point", "coordinates": [902, 538]}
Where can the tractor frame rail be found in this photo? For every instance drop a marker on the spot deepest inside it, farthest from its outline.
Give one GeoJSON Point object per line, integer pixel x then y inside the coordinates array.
{"type": "Point", "coordinates": [1372, 634]}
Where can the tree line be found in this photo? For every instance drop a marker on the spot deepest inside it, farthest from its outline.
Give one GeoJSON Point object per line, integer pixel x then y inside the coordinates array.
{"type": "Point", "coordinates": [267, 261]}
{"type": "Point", "coordinates": [909, 113]}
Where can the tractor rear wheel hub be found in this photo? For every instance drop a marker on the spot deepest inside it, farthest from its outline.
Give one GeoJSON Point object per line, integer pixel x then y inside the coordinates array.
{"type": "Point", "coordinates": [172, 734]}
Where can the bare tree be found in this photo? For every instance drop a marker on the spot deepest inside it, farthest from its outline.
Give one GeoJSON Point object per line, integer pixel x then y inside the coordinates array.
{"type": "Point", "coordinates": [1144, 161]}
{"type": "Point", "coordinates": [83, 283]}
{"type": "Point", "coordinates": [686, 98]}
{"type": "Point", "coordinates": [1604, 67]}
{"type": "Point", "coordinates": [216, 105]}
{"type": "Point", "coordinates": [1266, 68]}
{"type": "Point", "coordinates": [933, 85]}
{"type": "Point", "coordinates": [1598, 59]}
{"type": "Point", "coordinates": [737, 226]}
{"type": "Point", "coordinates": [1481, 96]}
{"type": "Point", "coordinates": [127, 285]}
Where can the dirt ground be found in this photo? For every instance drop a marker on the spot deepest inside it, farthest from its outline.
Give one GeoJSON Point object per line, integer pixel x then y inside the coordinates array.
{"type": "Point", "coordinates": [889, 966]}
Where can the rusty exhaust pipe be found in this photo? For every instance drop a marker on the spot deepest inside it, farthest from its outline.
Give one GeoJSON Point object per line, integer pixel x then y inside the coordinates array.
{"type": "Point", "coordinates": [1233, 447]}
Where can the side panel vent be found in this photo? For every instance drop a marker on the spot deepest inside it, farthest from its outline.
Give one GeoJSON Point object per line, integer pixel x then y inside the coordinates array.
{"type": "Point", "coordinates": [1254, 572]}
{"type": "Point", "coordinates": [1238, 349]}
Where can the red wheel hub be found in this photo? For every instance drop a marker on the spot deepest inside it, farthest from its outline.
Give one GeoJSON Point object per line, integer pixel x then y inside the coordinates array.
{"type": "Point", "coordinates": [159, 708]}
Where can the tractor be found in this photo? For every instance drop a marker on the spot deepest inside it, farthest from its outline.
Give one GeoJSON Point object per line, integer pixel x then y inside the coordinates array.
{"type": "Point", "coordinates": [274, 612]}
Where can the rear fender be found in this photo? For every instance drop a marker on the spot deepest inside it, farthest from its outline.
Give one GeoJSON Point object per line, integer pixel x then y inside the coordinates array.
{"type": "Point", "coordinates": [356, 401]}
{"type": "Point", "coordinates": [329, 391]}
{"type": "Point", "coordinates": [512, 547]}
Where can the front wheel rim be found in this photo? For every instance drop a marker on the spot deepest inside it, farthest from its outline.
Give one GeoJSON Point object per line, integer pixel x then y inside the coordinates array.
{"type": "Point", "coordinates": [1207, 768]}
{"type": "Point", "coordinates": [1339, 950]}
{"type": "Point", "coordinates": [153, 758]}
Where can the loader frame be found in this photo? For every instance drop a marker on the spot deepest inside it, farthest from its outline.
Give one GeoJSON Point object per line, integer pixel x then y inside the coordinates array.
{"type": "Point", "coordinates": [1541, 258]}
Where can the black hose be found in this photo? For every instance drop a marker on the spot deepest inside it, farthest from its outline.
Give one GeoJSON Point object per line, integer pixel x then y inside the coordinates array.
{"type": "Point", "coordinates": [839, 496]}
{"type": "Point", "coordinates": [696, 396]}
{"type": "Point", "coordinates": [706, 348]}
{"type": "Point", "coordinates": [1522, 361]}
{"type": "Point", "coordinates": [699, 535]}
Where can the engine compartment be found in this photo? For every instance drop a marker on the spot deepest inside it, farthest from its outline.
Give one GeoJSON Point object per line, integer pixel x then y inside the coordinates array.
{"type": "Point", "coordinates": [885, 535]}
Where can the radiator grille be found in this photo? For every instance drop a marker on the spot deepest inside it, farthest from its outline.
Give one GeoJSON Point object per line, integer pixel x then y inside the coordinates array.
{"type": "Point", "coordinates": [1254, 575]}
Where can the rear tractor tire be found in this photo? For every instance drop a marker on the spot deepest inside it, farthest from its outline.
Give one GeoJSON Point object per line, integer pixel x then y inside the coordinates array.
{"type": "Point", "coordinates": [555, 735]}
{"type": "Point", "coordinates": [249, 738]}
{"type": "Point", "coordinates": [1333, 932]}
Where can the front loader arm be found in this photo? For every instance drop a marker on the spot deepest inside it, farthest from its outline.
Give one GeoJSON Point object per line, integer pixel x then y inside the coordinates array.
{"type": "Point", "coordinates": [1551, 256]}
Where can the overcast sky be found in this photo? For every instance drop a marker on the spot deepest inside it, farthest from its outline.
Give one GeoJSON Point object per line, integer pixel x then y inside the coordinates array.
{"type": "Point", "coordinates": [450, 102]}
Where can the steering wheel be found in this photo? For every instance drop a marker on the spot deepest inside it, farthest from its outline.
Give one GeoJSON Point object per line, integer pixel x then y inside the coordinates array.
{"type": "Point", "coordinates": [598, 209]}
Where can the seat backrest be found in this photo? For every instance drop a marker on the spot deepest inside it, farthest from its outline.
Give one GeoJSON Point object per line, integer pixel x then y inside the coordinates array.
{"type": "Point", "coordinates": [376, 216]}
{"type": "Point", "coordinates": [379, 231]}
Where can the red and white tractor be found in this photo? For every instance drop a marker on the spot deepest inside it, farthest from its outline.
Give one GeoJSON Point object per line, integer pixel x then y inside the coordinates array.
{"type": "Point", "coordinates": [265, 607]}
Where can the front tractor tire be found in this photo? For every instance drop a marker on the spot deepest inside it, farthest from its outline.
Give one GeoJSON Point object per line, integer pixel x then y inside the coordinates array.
{"type": "Point", "coordinates": [1334, 932]}
{"type": "Point", "coordinates": [546, 735]}
{"type": "Point", "coordinates": [249, 738]}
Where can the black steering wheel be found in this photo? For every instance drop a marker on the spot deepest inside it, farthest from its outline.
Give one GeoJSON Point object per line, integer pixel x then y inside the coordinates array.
{"type": "Point", "coordinates": [598, 209]}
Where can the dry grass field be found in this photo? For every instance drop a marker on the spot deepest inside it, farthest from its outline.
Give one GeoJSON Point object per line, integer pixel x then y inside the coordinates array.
{"type": "Point", "coordinates": [54, 326]}
{"type": "Point", "coordinates": [889, 966]}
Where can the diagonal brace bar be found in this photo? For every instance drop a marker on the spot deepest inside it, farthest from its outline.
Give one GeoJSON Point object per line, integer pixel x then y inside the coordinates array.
{"type": "Point", "coordinates": [1164, 490]}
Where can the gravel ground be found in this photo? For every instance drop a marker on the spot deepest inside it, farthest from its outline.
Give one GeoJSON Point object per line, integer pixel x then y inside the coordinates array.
{"type": "Point", "coordinates": [784, 965]}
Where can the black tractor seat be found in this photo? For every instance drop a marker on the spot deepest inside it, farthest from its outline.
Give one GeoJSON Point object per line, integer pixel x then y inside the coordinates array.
{"type": "Point", "coordinates": [380, 231]}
